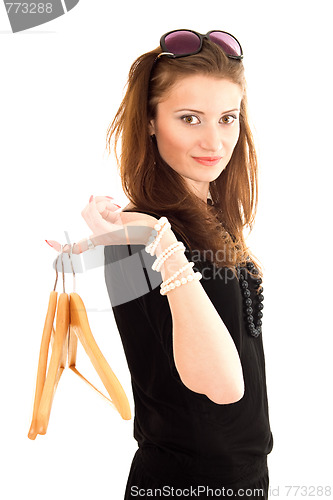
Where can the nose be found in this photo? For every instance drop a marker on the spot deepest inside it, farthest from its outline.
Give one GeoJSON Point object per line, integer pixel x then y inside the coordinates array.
{"type": "Point", "coordinates": [211, 139]}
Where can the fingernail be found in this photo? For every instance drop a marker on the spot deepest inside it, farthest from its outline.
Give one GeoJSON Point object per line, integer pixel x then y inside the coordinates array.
{"type": "Point", "coordinates": [91, 199]}
{"type": "Point", "coordinates": [49, 243]}
{"type": "Point", "coordinates": [110, 197]}
{"type": "Point", "coordinates": [117, 205]}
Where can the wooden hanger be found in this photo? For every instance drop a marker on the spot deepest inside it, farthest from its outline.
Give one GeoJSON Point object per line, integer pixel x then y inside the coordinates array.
{"type": "Point", "coordinates": [80, 330]}
{"type": "Point", "coordinates": [71, 325]}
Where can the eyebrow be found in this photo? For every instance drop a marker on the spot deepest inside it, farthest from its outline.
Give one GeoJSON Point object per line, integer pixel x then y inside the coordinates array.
{"type": "Point", "coordinates": [202, 113]}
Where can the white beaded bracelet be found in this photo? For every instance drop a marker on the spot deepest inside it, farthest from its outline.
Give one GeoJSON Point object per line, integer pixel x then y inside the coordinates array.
{"type": "Point", "coordinates": [177, 273]}
{"type": "Point", "coordinates": [182, 281]}
{"type": "Point", "coordinates": [161, 226]}
{"type": "Point", "coordinates": [175, 247]}
{"type": "Point", "coordinates": [158, 238]}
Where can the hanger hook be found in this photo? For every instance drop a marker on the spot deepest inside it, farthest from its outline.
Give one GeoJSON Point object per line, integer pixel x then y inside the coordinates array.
{"type": "Point", "coordinates": [56, 269]}
{"type": "Point", "coordinates": [62, 267]}
{"type": "Point", "coordinates": [70, 258]}
{"type": "Point", "coordinates": [61, 252]}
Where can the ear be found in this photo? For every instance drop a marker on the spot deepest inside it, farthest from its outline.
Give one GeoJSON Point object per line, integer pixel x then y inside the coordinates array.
{"type": "Point", "coordinates": [151, 127]}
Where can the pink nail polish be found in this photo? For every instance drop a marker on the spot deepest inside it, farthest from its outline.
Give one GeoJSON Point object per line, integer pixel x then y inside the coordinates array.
{"type": "Point", "coordinates": [49, 243]}
{"type": "Point", "coordinates": [91, 198]}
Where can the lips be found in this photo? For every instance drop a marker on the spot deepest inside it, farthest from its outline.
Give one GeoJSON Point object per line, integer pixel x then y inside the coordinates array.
{"type": "Point", "coordinates": [207, 160]}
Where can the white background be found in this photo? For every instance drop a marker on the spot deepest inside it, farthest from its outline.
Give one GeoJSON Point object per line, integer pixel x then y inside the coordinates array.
{"type": "Point", "coordinates": [61, 84]}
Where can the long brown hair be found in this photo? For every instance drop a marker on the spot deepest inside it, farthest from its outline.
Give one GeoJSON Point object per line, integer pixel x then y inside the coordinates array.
{"type": "Point", "coordinates": [153, 186]}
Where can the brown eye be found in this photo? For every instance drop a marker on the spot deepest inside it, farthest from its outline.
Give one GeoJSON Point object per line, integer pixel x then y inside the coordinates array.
{"type": "Point", "coordinates": [190, 119]}
{"type": "Point", "coordinates": [228, 119]}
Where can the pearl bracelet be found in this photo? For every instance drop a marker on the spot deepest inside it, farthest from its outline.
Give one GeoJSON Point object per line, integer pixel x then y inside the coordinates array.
{"type": "Point", "coordinates": [159, 237]}
{"type": "Point", "coordinates": [166, 254]}
{"type": "Point", "coordinates": [182, 281]}
{"type": "Point", "coordinates": [177, 273]}
{"type": "Point", "coordinates": [161, 226]}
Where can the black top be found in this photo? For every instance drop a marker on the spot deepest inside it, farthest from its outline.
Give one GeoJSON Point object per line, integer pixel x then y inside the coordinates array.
{"type": "Point", "coordinates": [210, 440]}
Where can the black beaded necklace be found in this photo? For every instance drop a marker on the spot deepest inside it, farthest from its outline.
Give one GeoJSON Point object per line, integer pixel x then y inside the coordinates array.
{"type": "Point", "coordinates": [252, 307]}
{"type": "Point", "coordinates": [252, 317]}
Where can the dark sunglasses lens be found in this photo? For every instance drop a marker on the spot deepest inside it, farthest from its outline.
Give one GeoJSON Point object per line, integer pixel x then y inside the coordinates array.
{"type": "Point", "coordinates": [230, 46]}
{"type": "Point", "coordinates": [182, 42]}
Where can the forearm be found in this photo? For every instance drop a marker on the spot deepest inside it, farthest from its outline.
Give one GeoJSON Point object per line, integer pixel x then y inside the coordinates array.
{"type": "Point", "coordinates": [135, 232]}
{"type": "Point", "coordinates": [205, 354]}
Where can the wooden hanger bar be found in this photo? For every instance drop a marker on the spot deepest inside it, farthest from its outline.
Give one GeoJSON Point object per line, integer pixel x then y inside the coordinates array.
{"type": "Point", "coordinates": [80, 327]}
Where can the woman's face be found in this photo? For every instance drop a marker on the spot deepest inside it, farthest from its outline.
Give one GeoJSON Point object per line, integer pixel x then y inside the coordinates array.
{"type": "Point", "coordinates": [197, 128]}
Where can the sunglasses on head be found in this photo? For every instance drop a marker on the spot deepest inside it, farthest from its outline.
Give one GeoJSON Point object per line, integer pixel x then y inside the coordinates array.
{"type": "Point", "coordinates": [181, 43]}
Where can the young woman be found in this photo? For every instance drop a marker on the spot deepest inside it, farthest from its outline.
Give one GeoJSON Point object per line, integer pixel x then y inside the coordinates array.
{"type": "Point", "coordinates": [188, 300]}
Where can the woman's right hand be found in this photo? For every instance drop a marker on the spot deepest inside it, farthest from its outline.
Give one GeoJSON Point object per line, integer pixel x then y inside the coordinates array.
{"type": "Point", "coordinates": [110, 226]}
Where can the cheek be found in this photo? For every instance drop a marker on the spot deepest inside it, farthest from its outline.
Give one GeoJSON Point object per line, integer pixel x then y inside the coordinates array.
{"type": "Point", "coordinates": [233, 138]}
{"type": "Point", "coordinates": [170, 143]}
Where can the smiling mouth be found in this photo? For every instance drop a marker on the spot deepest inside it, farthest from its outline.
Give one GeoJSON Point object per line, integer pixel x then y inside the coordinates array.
{"type": "Point", "coordinates": [207, 160]}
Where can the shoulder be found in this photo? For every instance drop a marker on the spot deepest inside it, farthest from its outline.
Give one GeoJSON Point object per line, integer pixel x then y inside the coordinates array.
{"type": "Point", "coordinates": [130, 206]}
{"type": "Point", "coordinates": [151, 215]}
